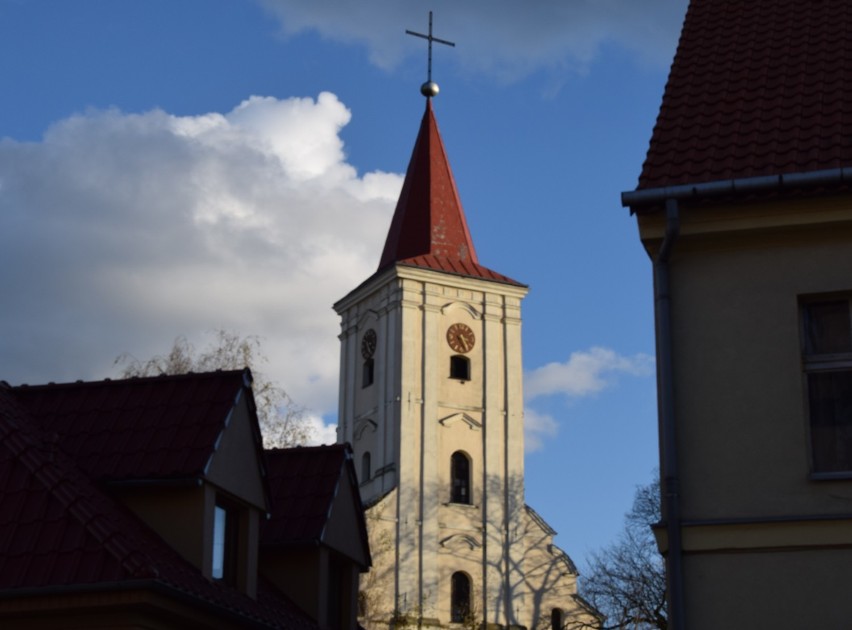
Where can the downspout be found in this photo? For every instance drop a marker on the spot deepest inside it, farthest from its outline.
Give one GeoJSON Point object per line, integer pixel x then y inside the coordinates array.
{"type": "Point", "coordinates": [665, 393]}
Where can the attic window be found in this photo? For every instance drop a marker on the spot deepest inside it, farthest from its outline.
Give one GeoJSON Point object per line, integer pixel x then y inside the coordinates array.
{"type": "Point", "coordinates": [225, 538]}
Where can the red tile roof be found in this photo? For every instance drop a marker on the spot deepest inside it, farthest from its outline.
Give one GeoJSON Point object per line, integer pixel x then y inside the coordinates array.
{"type": "Point", "coordinates": [59, 531]}
{"type": "Point", "coordinates": [429, 228]}
{"type": "Point", "coordinates": [303, 484]}
{"type": "Point", "coordinates": [140, 428]}
{"type": "Point", "coordinates": [756, 88]}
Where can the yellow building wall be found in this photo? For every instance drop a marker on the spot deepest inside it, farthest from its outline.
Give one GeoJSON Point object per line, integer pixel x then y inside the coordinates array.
{"type": "Point", "coordinates": [761, 536]}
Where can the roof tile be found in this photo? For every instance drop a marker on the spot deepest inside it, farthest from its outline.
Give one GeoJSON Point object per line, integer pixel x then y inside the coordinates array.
{"type": "Point", "coordinates": [58, 529]}
{"type": "Point", "coordinates": [429, 228]}
{"type": "Point", "coordinates": [302, 484]}
{"type": "Point", "coordinates": [156, 427]}
{"type": "Point", "coordinates": [756, 88]}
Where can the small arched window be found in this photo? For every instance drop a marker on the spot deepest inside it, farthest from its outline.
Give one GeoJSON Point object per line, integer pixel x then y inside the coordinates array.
{"type": "Point", "coordinates": [556, 619]}
{"type": "Point", "coordinates": [460, 597]}
{"type": "Point", "coordinates": [368, 373]}
{"type": "Point", "coordinates": [365, 467]}
{"type": "Point", "coordinates": [460, 367]}
{"type": "Point", "coordinates": [460, 476]}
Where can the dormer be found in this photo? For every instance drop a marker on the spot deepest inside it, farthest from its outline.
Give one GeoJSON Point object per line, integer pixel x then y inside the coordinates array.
{"type": "Point", "coordinates": [315, 544]}
{"type": "Point", "coordinates": [184, 453]}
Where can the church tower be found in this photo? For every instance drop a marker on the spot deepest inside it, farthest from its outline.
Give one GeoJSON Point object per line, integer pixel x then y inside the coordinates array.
{"type": "Point", "coordinates": [431, 400]}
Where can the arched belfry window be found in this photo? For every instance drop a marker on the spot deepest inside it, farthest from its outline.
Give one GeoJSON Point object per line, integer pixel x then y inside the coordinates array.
{"type": "Point", "coordinates": [368, 374]}
{"type": "Point", "coordinates": [365, 467]}
{"type": "Point", "coordinates": [460, 597]}
{"type": "Point", "coordinates": [368, 350]}
{"type": "Point", "coordinates": [460, 478]}
{"type": "Point", "coordinates": [460, 367]}
{"type": "Point", "coordinates": [556, 619]}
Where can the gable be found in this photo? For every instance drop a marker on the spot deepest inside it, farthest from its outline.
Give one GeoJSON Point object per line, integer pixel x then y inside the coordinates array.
{"type": "Point", "coordinates": [345, 530]}
{"type": "Point", "coordinates": [461, 418]}
{"type": "Point", "coordinates": [235, 464]}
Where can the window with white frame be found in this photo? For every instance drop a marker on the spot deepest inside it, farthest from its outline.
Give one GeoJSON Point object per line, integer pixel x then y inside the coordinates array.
{"type": "Point", "coordinates": [225, 541]}
{"type": "Point", "coordinates": [827, 362]}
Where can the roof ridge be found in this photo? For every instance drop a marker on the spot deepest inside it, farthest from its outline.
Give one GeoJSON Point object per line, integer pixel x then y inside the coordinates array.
{"type": "Point", "coordinates": [110, 382]}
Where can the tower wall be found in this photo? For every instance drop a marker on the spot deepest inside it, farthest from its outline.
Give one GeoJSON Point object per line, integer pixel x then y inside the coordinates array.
{"type": "Point", "coordinates": [415, 415]}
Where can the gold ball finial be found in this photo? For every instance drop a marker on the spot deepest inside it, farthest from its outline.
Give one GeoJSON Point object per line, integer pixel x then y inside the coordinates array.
{"type": "Point", "coordinates": [429, 89]}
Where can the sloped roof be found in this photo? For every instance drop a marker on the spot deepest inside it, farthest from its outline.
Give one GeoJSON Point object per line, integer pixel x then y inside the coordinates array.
{"type": "Point", "coordinates": [58, 530]}
{"type": "Point", "coordinates": [303, 483]}
{"type": "Point", "coordinates": [756, 88]}
{"type": "Point", "coordinates": [140, 428]}
{"type": "Point", "coordinates": [429, 228]}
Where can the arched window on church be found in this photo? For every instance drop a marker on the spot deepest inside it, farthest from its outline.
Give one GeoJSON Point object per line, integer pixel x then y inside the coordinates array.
{"type": "Point", "coordinates": [368, 373]}
{"type": "Point", "coordinates": [460, 597]}
{"type": "Point", "coordinates": [460, 367]}
{"type": "Point", "coordinates": [460, 476]}
{"type": "Point", "coordinates": [365, 467]}
{"type": "Point", "coordinates": [556, 619]}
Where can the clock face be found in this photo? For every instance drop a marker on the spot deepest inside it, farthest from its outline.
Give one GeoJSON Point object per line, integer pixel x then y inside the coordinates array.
{"type": "Point", "coordinates": [368, 343]}
{"type": "Point", "coordinates": [461, 338]}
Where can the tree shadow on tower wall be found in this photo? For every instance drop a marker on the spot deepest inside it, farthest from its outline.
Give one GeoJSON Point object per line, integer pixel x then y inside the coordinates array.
{"type": "Point", "coordinates": [518, 576]}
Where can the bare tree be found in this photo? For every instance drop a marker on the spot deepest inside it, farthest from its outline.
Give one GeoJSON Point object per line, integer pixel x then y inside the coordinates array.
{"type": "Point", "coordinates": [627, 580]}
{"type": "Point", "coordinates": [282, 422]}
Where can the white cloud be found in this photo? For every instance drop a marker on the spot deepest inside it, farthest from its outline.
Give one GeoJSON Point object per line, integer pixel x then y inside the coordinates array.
{"type": "Point", "coordinates": [538, 427]}
{"type": "Point", "coordinates": [506, 39]}
{"type": "Point", "coordinates": [119, 232]}
{"type": "Point", "coordinates": [321, 433]}
{"type": "Point", "coordinates": [584, 373]}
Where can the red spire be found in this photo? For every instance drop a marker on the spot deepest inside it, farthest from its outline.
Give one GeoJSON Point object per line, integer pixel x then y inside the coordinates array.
{"type": "Point", "coordinates": [429, 227]}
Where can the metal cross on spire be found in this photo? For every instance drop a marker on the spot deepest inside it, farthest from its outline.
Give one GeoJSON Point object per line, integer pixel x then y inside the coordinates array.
{"type": "Point", "coordinates": [430, 88]}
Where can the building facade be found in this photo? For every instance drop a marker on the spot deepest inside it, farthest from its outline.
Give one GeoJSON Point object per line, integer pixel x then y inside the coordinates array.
{"type": "Point", "coordinates": [744, 208]}
{"type": "Point", "coordinates": [431, 399]}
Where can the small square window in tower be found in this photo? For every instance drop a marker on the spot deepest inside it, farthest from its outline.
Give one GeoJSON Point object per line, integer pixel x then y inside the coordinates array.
{"type": "Point", "coordinates": [460, 367]}
{"type": "Point", "coordinates": [827, 361]}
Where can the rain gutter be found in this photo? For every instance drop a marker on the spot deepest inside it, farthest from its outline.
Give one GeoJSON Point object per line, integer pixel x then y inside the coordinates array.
{"type": "Point", "coordinates": [671, 197]}
{"type": "Point", "coordinates": [738, 186]}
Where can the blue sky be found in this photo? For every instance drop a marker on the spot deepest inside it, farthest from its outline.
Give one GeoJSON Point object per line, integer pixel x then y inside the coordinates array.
{"type": "Point", "coordinates": [171, 167]}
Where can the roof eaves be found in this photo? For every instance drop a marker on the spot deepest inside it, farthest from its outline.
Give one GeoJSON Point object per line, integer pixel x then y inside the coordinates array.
{"type": "Point", "coordinates": [536, 517]}
{"type": "Point", "coordinates": [246, 619]}
{"type": "Point", "coordinates": [492, 277]}
{"type": "Point", "coordinates": [781, 183]}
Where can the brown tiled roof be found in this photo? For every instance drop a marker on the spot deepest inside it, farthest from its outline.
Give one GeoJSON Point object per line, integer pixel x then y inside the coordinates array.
{"type": "Point", "coordinates": [303, 483]}
{"type": "Point", "coordinates": [758, 87]}
{"type": "Point", "coordinates": [59, 531]}
{"type": "Point", "coordinates": [140, 428]}
{"type": "Point", "coordinates": [429, 228]}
